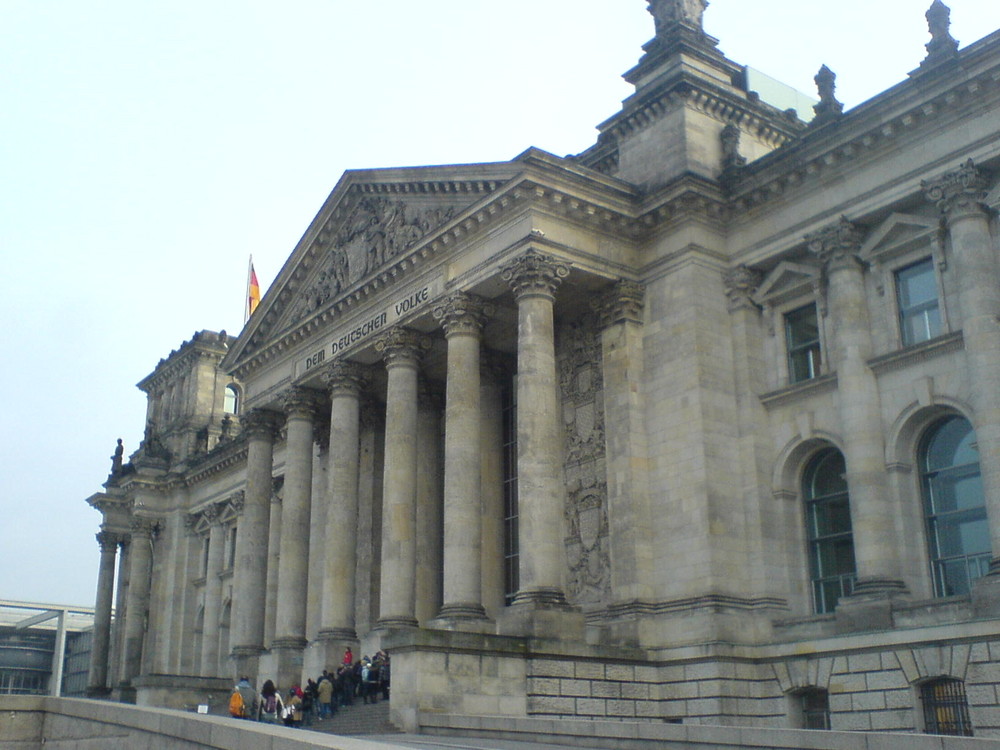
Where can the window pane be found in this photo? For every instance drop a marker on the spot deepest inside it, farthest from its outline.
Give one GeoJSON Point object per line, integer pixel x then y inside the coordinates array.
{"type": "Point", "coordinates": [916, 292]}
{"type": "Point", "coordinates": [802, 342]}
{"type": "Point", "coordinates": [828, 528]}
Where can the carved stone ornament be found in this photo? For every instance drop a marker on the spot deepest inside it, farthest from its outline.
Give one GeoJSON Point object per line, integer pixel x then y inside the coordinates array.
{"type": "Point", "coordinates": [669, 13]}
{"type": "Point", "coordinates": [587, 546]}
{"type": "Point", "coordinates": [345, 378]}
{"type": "Point", "coordinates": [260, 424]}
{"type": "Point", "coordinates": [212, 513]}
{"type": "Point", "coordinates": [301, 402]}
{"type": "Point", "coordinates": [108, 540]}
{"type": "Point", "coordinates": [741, 284]}
{"type": "Point", "coordinates": [961, 192]}
{"type": "Point", "coordinates": [237, 501]}
{"type": "Point", "coordinates": [145, 527]}
{"type": "Point", "coordinates": [942, 45]}
{"type": "Point", "coordinates": [622, 303]}
{"type": "Point", "coordinates": [837, 243]}
{"type": "Point", "coordinates": [401, 345]}
{"type": "Point", "coordinates": [462, 313]}
{"type": "Point", "coordinates": [730, 139]}
{"type": "Point", "coordinates": [581, 383]}
{"type": "Point", "coordinates": [828, 108]}
{"type": "Point", "coordinates": [377, 231]}
{"type": "Point", "coordinates": [534, 273]}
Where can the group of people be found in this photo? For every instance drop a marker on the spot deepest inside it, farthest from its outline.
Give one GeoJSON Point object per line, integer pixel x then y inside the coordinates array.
{"type": "Point", "coordinates": [367, 678]}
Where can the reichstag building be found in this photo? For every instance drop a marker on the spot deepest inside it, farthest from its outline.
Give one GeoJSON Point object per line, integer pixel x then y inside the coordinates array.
{"type": "Point", "coordinates": [701, 424]}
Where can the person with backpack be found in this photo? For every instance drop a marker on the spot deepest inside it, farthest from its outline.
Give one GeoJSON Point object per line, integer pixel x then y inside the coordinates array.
{"type": "Point", "coordinates": [243, 701]}
{"type": "Point", "coordinates": [271, 705]}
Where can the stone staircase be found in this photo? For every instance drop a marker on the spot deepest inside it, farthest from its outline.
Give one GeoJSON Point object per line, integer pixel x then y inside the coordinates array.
{"type": "Point", "coordinates": [358, 719]}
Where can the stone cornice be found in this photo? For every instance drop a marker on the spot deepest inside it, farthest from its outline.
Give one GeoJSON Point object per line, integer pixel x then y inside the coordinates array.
{"type": "Point", "coordinates": [233, 454]}
{"type": "Point", "coordinates": [799, 391]}
{"type": "Point", "coordinates": [865, 130]}
{"type": "Point", "coordinates": [949, 343]}
{"type": "Point", "coordinates": [204, 344]}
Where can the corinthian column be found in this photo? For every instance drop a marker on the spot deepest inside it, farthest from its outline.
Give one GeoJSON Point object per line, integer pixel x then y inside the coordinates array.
{"type": "Point", "coordinates": [400, 349]}
{"type": "Point", "coordinates": [293, 567]}
{"type": "Point", "coordinates": [960, 195]}
{"type": "Point", "coordinates": [250, 570]}
{"type": "Point", "coordinates": [872, 518]}
{"type": "Point", "coordinates": [534, 279]}
{"type": "Point", "coordinates": [462, 317]}
{"type": "Point", "coordinates": [99, 651]}
{"type": "Point", "coordinates": [345, 381]}
{"type": "Point", "coordinates": [141, 568]}
{"type": "Point", "coordinates": [213, 594]}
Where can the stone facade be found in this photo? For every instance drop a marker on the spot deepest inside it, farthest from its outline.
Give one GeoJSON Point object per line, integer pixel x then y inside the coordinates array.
{"type": "Point", "coordinates": [700, 425]}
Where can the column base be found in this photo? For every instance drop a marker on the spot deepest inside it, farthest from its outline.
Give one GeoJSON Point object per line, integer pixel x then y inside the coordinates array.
{"type": "Point", "coordinates": [394, 622]}
{"type": "Point", "coordinates": [332, 642]}
{"type": "Point", "coordinates": [288, 659]}
{"type": "Point", "coordinates": [98, 692]}
{"type": "Point", "coordinates": [986, 593]}
{"type": "Point", "coordinates": [462, 616]}
{"type": "Point", "coordinates": [246, 662]}
{"type": "Point", "coordinates": [347, 636]}
{"type": "Point", "coordinates": [542, 613]}
{"type": "Point", "coordinates": [869, 607]}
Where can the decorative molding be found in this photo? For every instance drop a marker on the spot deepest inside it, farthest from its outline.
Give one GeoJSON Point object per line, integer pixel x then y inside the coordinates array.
{"type": "Point", "coordinates": [534, 273]}
{"type": "Point", "coordinates": [462, 314]}
{"type": "Point", "coordinates": [741, 284]}
{"type": "Point", "coordinates": [799, 391]}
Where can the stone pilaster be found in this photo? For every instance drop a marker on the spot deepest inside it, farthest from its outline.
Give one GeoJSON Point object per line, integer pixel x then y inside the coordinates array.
{"type": "Point", "coordinates": [213, 593]}
{"type": "Point", "coordinates": [960, 195]}
{"type": "Point", "coordinates": [401, 350]}
{"type": "Point", "coordinates": [872, 517]}
{"type": "Point", "coordinates": [620, 311]}
{"type": "Point", "coordinates": [100, 648]}
{"type": "Point", "coordinates": [141, 568]}
{"type": "Point", "coordinates": [534, 279]}
{"type": "Point", "coordinates": [345, 382]}
{"type": "Point", "coordinates": [462, 317]}
{"type": "Point", "coordinates": [293, 570]}
{"type": "Point", "coordinates": [250, 570]}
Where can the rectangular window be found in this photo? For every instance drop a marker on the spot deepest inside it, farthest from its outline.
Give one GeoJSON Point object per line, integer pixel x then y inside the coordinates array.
{"type": "Point", "coordinates": [802, 342]}
{"type": "Point", "coordinates": [919, 313]}
{"type": "Point", "coordinates": [815, 709]}
{"type": "Point", "coordinates": [231, 556]}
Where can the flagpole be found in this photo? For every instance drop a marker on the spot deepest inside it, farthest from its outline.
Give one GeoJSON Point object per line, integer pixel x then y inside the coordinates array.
{"type": "Point", "coordinates": [246, 296]}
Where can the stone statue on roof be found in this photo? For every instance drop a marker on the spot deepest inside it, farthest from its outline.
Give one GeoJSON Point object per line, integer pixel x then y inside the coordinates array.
{"type": "Point", "coordinates": [668, 13]}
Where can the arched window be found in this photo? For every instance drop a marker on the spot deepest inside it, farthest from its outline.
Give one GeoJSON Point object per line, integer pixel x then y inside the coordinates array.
{"type": "Point", "coordinates": [828, 529]}
{"type": "Point", "coordinates": [946, 708]}
{"type": "Point", "coordinates": [958, 534]}
{"type": "Point", "coordinates": [232, 400]}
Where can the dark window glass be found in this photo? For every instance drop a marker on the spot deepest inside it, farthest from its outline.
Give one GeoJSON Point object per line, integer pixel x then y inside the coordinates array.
{"type": "Point", "coordinates": [828, 529]}
{"type": "Point", "coordinates": [946, 708]}
{"type": "Point", "coordinates": [511, 556]}
{"type": "Point", "coordinates": [815, 709]}
{"type": "Point", "coordinates": [802, 343]}
{"type": "Point", "coordinates": [958, 534]}
{"type": "Point", "coordinates": [916, 292]}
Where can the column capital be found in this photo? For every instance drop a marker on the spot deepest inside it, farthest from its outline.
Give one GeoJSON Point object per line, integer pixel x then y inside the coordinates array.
{"type": "Point", "coordinates": [261, 424]}
{"type": "Point", "coordinates": [146, 528]}
{"type": "Point", "coordinates": [345, 378]}
{"type": "Point", "coordinates": [741, 283]}
{"type": "Point", "coordinates": [959, 193]}
{"type": "Point", "coordinates": [462, 314]}
{"type": "Point", "coordinates": [108, 540]}
{"type": "Point", "coordinates": [837, 244]}
{"type": "Point", "coordinates": [621, 303]}
{"type": "Point", "coordinates": [535, 274]}
{"type": "Point", "coordinates": [237, 500]}
{"type": "Point", "coordinates": [401, 346]}
{"type": "Point", "coordinates": [301, 403]}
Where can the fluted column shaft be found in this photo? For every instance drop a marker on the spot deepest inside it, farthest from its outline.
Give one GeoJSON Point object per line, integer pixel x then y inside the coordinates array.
{"type": "Point", "coordinates": [462, 318]}
{"type": "Point", "coordinates": [401, 351]}
{"type": "Point", "coordinates": [141, 562]}
{"type": "Point", "coordinates": [293, 569]}
{"type": "Point", "coordinates": [534, 279]}
{"type": "Point", "coordinates": [960, 197]}
{"type": "Point", "coordinates": [345, 381]}
{"type": "Point", "coordinates": [213, 595]}
{"type": "Point", "coordinates": [250, 570]}
{"type": "Point", "coordinates": [872, 521]}
{"type": "Point", "coordinates": [100, 648]}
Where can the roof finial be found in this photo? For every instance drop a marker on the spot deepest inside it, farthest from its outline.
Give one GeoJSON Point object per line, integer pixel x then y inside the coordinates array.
{"type": "Point", "coordinates": [942, 45]}
{"type": "Point", "coordinates": [828, 108]}
{"type": "Point", "coordinates": [669, 13]}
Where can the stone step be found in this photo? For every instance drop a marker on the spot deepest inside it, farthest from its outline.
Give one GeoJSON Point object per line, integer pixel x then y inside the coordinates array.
{"type": "Point", "coordinates": [358, 719]}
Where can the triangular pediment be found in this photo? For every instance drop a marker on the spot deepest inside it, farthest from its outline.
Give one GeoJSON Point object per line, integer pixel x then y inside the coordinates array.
{"type": "Point", "coordinates": [788, 279]}
{"type": "Point", "coordinates": [898, 234]}
{"type": "Point", "coordinates": [371, 222]}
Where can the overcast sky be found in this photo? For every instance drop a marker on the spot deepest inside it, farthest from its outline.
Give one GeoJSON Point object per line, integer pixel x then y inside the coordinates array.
{"type": "Point", "coordinates": [148, 148]}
